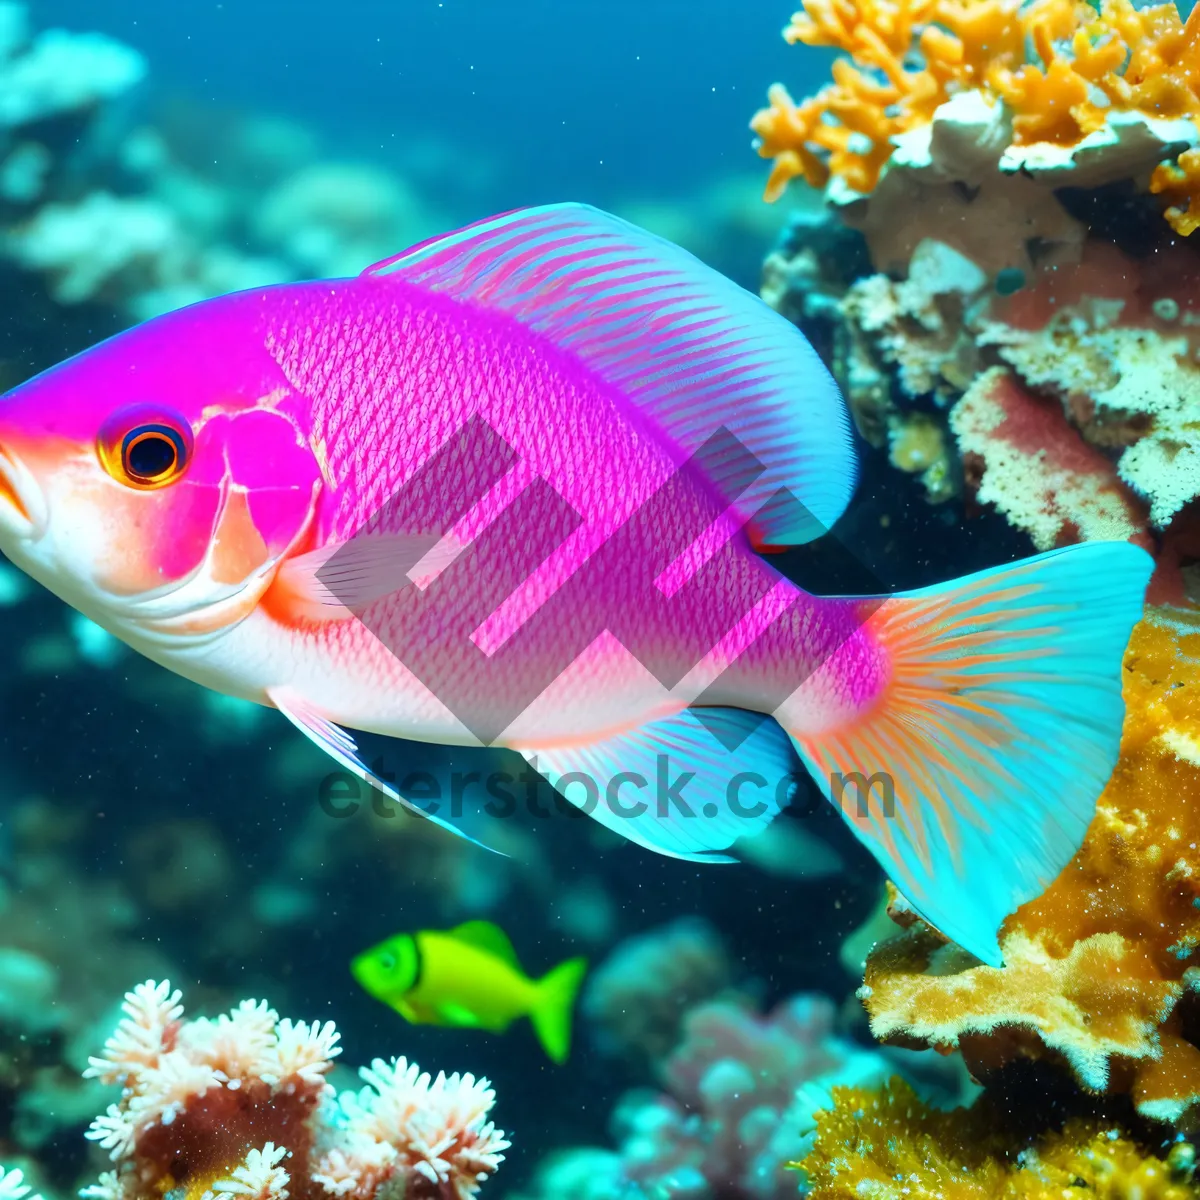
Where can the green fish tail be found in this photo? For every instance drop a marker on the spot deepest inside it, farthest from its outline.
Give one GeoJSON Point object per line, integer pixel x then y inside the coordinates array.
{"type": "Point", "coordinates": [554, 1005]}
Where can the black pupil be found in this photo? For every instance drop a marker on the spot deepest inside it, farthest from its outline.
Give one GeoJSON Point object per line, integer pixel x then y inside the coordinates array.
{"type": "Point", "coordinates": [150, 453]}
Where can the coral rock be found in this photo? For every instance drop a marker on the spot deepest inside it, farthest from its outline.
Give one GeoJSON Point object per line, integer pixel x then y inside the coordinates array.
{"type": "Point", "coordinates": [888, 1144]}
{"type": "Point", "coordinates": [1099, 970]}
{"type": "Point", "coordinates": [636, 999]}
{"type": "Point", "coordinates": [743, 1090]}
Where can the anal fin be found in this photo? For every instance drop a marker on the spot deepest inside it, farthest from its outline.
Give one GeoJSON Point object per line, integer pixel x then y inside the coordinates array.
{"type": "Point", "coordinates": [687, 786]}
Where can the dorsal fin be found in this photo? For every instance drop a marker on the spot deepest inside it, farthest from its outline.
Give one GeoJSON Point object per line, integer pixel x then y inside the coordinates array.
{"type": "Point", "coordinates": [486, 936]}
{"type": "Point", "coordinates": [690, 348]}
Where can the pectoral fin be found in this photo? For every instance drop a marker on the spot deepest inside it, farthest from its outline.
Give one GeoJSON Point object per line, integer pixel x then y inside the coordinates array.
{"type": "Point", "coordinates": [336, 583]}
{"type": "Point", "coordinates": [461, 1017]}
{"type": "Point", "coordinates": [342, 748]}
{"type": "Point", "coordinates": [412, 1014]}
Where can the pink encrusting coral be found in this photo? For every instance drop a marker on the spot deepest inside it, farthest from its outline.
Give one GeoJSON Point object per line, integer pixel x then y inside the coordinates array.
{"type": "Point", "coordinates": [1062, 396]}
{"type": "Point", "coordinates": [1021, 454]}
{"type": "Point", "coordinates": [239, 1106]}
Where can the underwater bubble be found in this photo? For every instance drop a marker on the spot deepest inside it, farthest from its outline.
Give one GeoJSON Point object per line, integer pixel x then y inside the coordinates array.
{"type": "Point", "coordinates": [95, 645]}
{"type": "Point", "coordinates": [229, 718]}
{"type": "Point", "coordinates": [1009, 280]}
{"type": "Point", "coordinates": [13, 586]}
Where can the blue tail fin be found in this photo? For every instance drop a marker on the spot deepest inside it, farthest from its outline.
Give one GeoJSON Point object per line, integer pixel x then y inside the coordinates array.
{"type": "Point", "coordinates": [995, 735]}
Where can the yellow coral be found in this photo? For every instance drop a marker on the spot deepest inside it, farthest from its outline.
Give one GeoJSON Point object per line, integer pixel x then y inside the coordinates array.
{"type": "Point", "coordinates": [887, 1144]}
{"type": "Point", "coordinates": [1095, 968]}
{"type": "Point", "coordinates": [1085, 65]}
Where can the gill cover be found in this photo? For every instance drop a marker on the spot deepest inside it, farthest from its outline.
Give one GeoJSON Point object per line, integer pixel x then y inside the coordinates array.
{"type": "Point", "coordinates": [215, 533]}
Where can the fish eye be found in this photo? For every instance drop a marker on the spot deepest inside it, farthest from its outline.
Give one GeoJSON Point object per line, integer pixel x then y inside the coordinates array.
{"type": "Point", "coordinates": [387, 962]}
{"type": "Point", "coordinates": [145, 448]}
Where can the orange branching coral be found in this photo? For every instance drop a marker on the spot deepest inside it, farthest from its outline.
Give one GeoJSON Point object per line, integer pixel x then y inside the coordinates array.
{"type": "Point", "coordinates": [1086, 65]}
{"type": "Point", "coordinates": [869, 102]}
{"type": "Point", "coordinates": [1180, 181]}
{"type": "Point", "coordinates": [888, 1144]}
{"type": "Point", "coordinates": [1145, 61]}
{"type": "Point", "coordinates": [1101, 969]}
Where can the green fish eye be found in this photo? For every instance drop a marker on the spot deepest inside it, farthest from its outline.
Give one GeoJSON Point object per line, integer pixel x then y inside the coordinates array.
{"type": "Point", "coordinates": [387, 962]}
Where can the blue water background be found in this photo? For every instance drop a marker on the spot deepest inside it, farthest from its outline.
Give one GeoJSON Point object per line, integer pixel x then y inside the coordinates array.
{"type": "Point", "coordinates": [486, 106]}
{"type": "Point", "coordinates": [546, 99]}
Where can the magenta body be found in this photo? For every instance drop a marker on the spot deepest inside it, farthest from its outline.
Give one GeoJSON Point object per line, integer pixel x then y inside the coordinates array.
{"type": "Point", "coordinates": [315, 403]}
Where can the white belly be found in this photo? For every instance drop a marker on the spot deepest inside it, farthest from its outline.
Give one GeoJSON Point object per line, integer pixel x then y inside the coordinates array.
{"type": "Point", "coordinates": [604, 690]}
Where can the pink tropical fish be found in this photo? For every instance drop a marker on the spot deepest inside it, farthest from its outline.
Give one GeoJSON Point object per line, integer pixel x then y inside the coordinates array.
{"type": "Point", "coordinates": [215, 487]}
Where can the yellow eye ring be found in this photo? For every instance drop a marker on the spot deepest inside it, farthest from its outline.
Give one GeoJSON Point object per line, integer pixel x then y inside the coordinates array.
{"type": "Point", "coordinates": [145, 448]}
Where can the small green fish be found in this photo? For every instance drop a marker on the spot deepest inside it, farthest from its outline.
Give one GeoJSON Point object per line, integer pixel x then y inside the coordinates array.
{"type": "Point", "coordinates": [469, 978]}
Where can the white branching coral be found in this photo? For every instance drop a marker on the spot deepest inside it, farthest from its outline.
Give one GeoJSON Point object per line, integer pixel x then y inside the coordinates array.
{"type": "Point", "coordinates": [260, 1177]}
{"type": "Point", "coordinates": [356, 1167]}
{"type": "Point", "coordinates": [14, 1187]}
{"type": "Point", "coordinates": [115, 1130]}
{"type": "Point", "coordinates": [435, 1128]}
{"type": "Point", "coordinates": [212, 1091]}
{"type": "Point", "coordinates": [303, 1051]}
{"type": "Point", "coordinates": [107, 1187]}
{"type": "Point", "coordinates": [238, 1044]}
{"type": "Point", "coordinates": [164, 1064]}
{"type": "Point", "coordinates": [146, 1032]}
{"type": "Point", "coordinates": [163, 1092]}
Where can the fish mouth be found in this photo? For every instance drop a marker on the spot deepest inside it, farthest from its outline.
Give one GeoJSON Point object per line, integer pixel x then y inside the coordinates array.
{"type": "Point", "coordinates": [22, 509]}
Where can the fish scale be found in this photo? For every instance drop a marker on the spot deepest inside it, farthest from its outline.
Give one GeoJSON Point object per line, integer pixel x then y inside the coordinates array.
{"type": "Point", "coordinates": [410, 345]}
